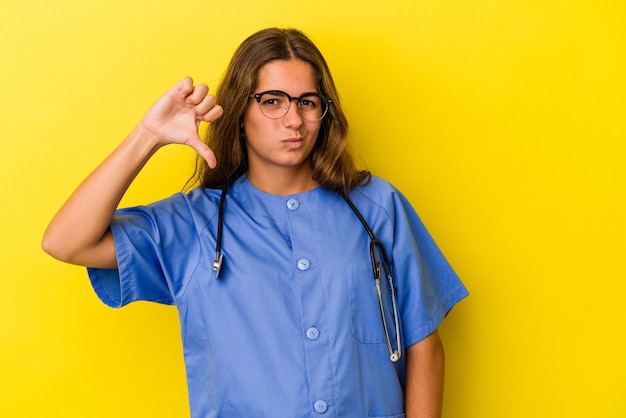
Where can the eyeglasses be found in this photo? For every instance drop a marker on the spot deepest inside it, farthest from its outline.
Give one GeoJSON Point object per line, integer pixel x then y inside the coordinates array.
{"type": "Point", "coordinates": [275, 104]}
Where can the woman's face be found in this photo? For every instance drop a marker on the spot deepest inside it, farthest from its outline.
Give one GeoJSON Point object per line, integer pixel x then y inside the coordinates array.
{"type": "Point", "coordinates": [285, 142]}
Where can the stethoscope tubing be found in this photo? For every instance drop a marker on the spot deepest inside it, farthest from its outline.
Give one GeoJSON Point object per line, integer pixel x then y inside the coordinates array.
{"type": "Point", "coordinates": [394, 355]}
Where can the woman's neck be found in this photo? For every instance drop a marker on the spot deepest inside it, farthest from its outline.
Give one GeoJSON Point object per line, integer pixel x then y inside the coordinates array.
{"type": "Point", "coordinates": [282, 181]}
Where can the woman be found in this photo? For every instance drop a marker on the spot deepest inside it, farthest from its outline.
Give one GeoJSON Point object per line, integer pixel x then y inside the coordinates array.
{"type": "Point", "coordinates": [267, 260]}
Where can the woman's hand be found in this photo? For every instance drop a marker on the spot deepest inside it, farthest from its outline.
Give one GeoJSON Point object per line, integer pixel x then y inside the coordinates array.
{"type": "Point", "coordinates": [175, 117]}
{"type": "Point", "coordinates": [79, 233]}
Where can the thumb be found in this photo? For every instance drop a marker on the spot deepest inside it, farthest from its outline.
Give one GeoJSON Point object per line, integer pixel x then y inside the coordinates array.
{"type": "Point", "coordinates": [203, 149]}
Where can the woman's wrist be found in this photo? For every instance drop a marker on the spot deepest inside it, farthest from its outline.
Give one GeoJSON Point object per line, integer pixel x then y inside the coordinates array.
{"type": "Point", "coordinates": [145, 141]}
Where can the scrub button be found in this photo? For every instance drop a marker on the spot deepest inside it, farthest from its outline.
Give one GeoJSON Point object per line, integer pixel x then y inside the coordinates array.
{"type": "Point", "coordinates": [303, 264]}
{"type": "Point", "coordinates": [293, 204]}
{"type": "Point", "coordinates": [320, 407]}
{"type": "Point", "coordinates": [312, 333]}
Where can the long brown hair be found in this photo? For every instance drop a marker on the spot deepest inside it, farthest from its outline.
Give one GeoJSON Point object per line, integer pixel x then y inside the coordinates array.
{"type": "Point", "coordinates": [333, 165]}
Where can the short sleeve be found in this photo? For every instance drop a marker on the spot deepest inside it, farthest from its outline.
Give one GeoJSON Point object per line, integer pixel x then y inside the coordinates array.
{"type": "Point", "coordinates": [139, 275]}
{"type": "Point", "coordinates": [158, 249]}
{"type": "Point", "coordinates": [428, 286]}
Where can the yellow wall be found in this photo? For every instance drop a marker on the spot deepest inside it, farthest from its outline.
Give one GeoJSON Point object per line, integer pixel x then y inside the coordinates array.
{"type": "Point", "coordinates": [503, 121]}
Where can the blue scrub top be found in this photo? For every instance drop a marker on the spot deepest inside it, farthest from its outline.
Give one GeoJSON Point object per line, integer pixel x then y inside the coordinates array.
{"type": "Point", "coordinates": [292, 326]}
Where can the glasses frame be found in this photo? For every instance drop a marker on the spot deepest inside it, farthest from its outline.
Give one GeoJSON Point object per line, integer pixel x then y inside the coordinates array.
{"type": "Point", "coordinates": [325, 103]}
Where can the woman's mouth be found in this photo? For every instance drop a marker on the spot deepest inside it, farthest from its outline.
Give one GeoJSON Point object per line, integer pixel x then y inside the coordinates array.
{"type": "Point", "coordinates": [293, 142]}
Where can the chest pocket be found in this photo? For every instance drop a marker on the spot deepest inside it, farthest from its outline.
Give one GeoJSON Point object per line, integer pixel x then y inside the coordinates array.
{"type": "Point", "coordinates": [365, 317]}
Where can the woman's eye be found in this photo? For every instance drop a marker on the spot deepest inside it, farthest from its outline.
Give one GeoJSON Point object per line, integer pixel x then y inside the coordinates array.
{"type": "Point", "coordinates": [308, 103]}
{"type": "Point", "coordinates": [272, 101]}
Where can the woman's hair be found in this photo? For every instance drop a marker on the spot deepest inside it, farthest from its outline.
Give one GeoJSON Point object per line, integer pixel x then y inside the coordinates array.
{"type": "Point", "coordinates": [333, 166]}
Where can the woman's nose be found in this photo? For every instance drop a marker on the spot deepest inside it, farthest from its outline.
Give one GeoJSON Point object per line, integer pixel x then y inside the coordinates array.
{"type": "Point", "coordinates": [293, 117]}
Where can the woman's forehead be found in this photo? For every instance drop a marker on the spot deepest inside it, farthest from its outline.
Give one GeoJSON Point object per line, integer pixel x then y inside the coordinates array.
{"type": "Point", "coordinates": [287, 76]}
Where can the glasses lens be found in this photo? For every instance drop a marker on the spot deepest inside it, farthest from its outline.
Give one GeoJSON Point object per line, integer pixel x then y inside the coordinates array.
{"type": "Point", "coordinates": [313, 107]}
{"type": "Point", "coordinates": [274, 105]}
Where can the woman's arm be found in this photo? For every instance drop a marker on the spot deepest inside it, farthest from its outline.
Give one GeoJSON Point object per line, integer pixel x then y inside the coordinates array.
{"type": "Point", "coordinates": [424, 378]}
{"type": "Point", "coordinates": [79, 233]}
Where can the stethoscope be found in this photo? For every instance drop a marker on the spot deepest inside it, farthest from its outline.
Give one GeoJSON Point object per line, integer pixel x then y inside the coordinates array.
{"type": "Point", "coordinates": [380, 266]}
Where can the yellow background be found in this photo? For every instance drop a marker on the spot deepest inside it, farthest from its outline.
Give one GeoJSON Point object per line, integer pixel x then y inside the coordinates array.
{"type": "Point", "coordinates": [503, 121]}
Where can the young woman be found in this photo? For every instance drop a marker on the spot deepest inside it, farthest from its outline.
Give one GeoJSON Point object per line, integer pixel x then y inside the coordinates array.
{"type": "Point", "coordinates": [304, 286]}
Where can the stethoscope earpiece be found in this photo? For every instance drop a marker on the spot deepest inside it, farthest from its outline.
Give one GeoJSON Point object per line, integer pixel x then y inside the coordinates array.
{"type": "Point", "coordinates": [217, 264]}
{"type": "Point", "coordinates": [219, 256]}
